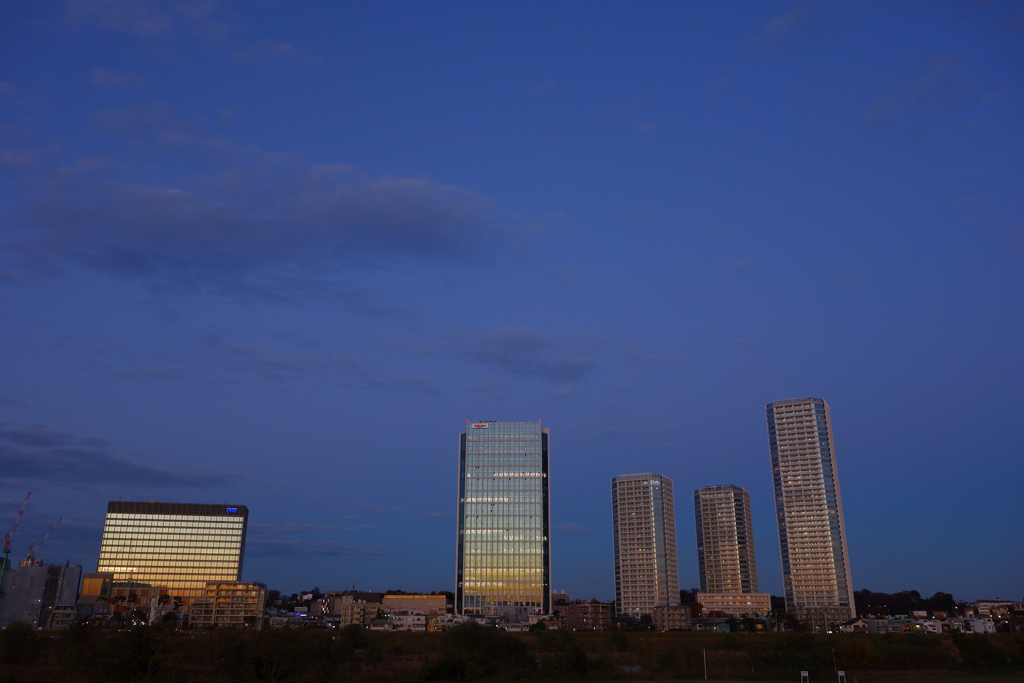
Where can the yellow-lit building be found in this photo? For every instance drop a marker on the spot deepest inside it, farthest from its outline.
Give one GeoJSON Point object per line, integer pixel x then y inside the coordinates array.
{"type": "Point", "coordinates": [154, 549]}
{"type": "Point", "coordinates": [427, 604]}
{"type": "Point", "coordinates": [503, 557]}
{"type": "Point", "coordinates": [736, 604]}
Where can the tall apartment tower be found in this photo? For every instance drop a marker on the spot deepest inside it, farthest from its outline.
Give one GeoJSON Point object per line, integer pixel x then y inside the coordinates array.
{"type": "Point", "coordinates": [725, 540]}
{"type": "Point", "coordinates": [151, 549]}
{"type": "Point", "coordinates": [644, 535]}
{"type": "Point", "coordinates": [809, 511]}
{"type": "Point", "coordinates": [503, 558]}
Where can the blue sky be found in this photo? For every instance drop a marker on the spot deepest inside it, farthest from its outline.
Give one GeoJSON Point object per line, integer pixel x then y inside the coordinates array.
{"type": "Point", "coordinates": [277, 254]}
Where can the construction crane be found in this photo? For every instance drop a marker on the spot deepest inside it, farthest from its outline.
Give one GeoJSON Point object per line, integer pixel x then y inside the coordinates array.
{"type": "Point", "coordinates": [7, 541]}
{"type": "Point", "coordinates": [33, 548]}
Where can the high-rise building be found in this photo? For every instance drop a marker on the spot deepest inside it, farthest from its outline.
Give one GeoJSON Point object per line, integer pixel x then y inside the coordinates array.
{"type": "Point", "coordinates": [809, 511]}
{"type": "Point", "coordinates": [725, 540]}
{"type": "Point", "coordinates": [36, 590]}
{"type": "Point", "coordinates": [644, 537]}
{"type": "Point", "coordinates": [503, 559]}
{"type": "Point", "coordinates": [725, 553]}
{"type": "Point", "coordinates": [172, 549]}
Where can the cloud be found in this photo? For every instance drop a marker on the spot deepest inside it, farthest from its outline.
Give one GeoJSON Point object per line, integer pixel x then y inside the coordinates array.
{"type": "Point", "coordinates": [548, 87]}
{"type": "Point", "coordinates": [570, 527]}
{"type": "Point", "coordinates": [644, 127]}
{"type": "Point", "coordinates": [288, 540]}
{"type": "Point", "coordinates": [781, 28]}
{"type": "Point", "coordinates": [435, 515]}
{"type": "Point", "coordinates": [215, 359]}
{"type": "Point", "coordinates": [12, 403]}
{"type": "Point", "coordinates": [244, 221]}
{"type": "Point", "coordinates": [150, 19]}
{"type": "Point", "coordinates": [938, 87]}
{"type": "Point", "coordinates": [16, 160]}
{"type": "Point", "coordinates": [524, 352]}
{"type": "Point", "coordinates": [36, 452]}
{"type": "Point", "coordinates": [848, 277]}
{"type": "Point", "coordinates": [105, 78]}
{"type": "Point", "coordinates": [565, 273]}
{"type": "Point", "coordinates": [142, 18]}
{"type": "Point", "coordinates": [312, 547]}
{"type": "Point", "coordinates": [261, 51]}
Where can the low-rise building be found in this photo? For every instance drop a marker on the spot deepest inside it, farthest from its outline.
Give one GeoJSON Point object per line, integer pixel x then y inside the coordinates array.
{"type": "Point", "coordinates": [62, 617]}
{"type": "Point", "coordinates": [229, 604]}
{"type": "Point", "coordinates": [352, 607]}
{"type": "Point", "coordinates": [406, 620]}
{"type": "Point", "coordinates": [672, 618]}
{"type": "Point", "coordinates": [736, 604]}
{"type": "Point", "coordinates": [995, 608]}
{"type": "Point", "coordinates": [426, 604]}
{"type": "Point", "coordinates": [443, 622]}
{"type": "Point", "coordinates": [588, 616]}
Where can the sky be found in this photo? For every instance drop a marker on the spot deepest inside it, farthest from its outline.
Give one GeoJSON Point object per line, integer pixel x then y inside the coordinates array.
{"type": "Point", "coordinates": [277, 254]}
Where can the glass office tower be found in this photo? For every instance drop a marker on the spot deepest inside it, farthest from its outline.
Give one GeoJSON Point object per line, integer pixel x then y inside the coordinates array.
{"type": "Point", "coordinates": [153, 549]}
{"type": "Point", "coordinates": [503, 561]}
{"type": "Point", "coordinates": [644, 541]}
{"type": "Point", "coordinates": [809, 511]}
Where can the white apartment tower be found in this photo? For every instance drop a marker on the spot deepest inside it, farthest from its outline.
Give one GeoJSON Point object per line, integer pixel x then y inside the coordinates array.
{"type": "Point", "coordinates": [809, 511]}
{"type": "Point", "coordinates": [725, 540]}
{"type": "Point", "coordinates": [644, 534]}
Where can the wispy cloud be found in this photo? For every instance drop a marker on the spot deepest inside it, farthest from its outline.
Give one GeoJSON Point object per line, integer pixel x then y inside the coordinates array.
{"type": "Point", "coordinates": [107, 78]}
{"type": "Point", "coordinates": [151, 19]}
{"type": "Point", "coordinates": [295, 539]}
{"type": "Point", "coordinates": [250, 222]}
{"type": "Point", "coordinates": [524, 352]}
{"type": "Point", "coordinates": [38, 453]}
{"type": "Point", "coordinates": [261, 51]}
{"type": "Point", "coordinates": [16, 160]}
{"type": "Point", "coordinates": [12, 403]}
{"type": "Point", "coordinates": [570, 527]}
{"type": "Point", "coordinates": [940, 86]}
{"type": "Point", "coordinates": [215, 359]}
{"type": "Point", "coordinates": [782, 28]}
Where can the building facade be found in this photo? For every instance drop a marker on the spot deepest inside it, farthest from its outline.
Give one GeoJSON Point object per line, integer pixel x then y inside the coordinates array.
{"type": "Point", "coordinates": [588, 616]}
{"type": "Point", "coordinates": [172, 549]}
{"type": "Point", "coordinates": [735, 604]}
{"type": "Point", "coordinates": [725, 540]}
{"type": "Point", "coordinates": [33, 592]}
{"type": "Point", "coordinates": [644, 542]}
{"type": "Point", "coordinates": [229, 604]}
{"type": "Point", "coordinates": [503, 555]}
{"type": "Point", "coordinates": [425, 604]}
{"type": "Point", "coordinates": [809, 511]}
{"type": "Point", "coordinates": [672, 618]}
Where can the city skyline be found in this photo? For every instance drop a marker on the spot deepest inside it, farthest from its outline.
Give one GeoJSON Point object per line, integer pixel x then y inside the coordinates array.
{"type": "Point", "coordinates": [277, 255]}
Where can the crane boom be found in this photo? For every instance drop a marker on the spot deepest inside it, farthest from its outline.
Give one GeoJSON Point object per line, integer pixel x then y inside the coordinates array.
{"type": "Point", "coordinates": [7, 542]}
{"type": "Point", "coordinates": [17, 520]}
{"type": "Point", "coordinates": [33, 548]}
